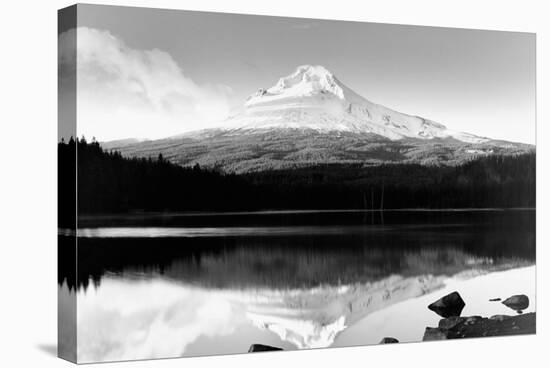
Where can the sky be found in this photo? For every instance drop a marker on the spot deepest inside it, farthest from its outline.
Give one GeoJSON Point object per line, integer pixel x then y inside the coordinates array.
{"type": "Point", "coordinates": [151, 73]}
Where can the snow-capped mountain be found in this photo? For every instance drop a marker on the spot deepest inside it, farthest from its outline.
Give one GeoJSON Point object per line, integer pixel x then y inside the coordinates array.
{"type": "Point", "coordinates": [313, 98]}
{"type": "Point", "coordinates": [310, 118]}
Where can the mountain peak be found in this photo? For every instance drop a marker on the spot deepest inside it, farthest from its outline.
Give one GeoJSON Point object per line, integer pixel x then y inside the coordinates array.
{"type": "Point", "coordinates": [313, 79]}
{"type": "Point", "coordinates": [306, 80]}
{"type": "Point", "coordinates": [318, 70]}
{"type": "Point", "coordinates": [313, 98]}
{"type": "Point", "coordinates": [307, 74]}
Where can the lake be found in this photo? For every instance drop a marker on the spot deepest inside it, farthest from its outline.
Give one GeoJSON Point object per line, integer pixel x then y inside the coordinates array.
{"type": "Point", "coordinates": [170, 285]}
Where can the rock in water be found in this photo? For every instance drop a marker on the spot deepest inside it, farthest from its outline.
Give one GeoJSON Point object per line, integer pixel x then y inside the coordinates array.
{"type": "Point", "coordinates": [517, 302]}
{"type": "Point", "coordinates": [500, 317]}
{"type": "Point", "coordinates": [435, 333]}
{"type": "Point", "coordinates": [447, 323]}
{"type": "Point", "coordinates": [476, 326]}
{"type": "Point", "coordinates": [259, 347]}
{"type": "Point", "coordinates": [389, 340]}
{"type": "Point", "coordinates": [449, 306]}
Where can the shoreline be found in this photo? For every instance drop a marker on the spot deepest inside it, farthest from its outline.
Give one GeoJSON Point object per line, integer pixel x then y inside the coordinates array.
{"type": "Point", "coordinates": [476, 326]}
{"type": "Point", "coordinates": [407, 320]}
{"type": "Point", "coordinates": [138, 214]}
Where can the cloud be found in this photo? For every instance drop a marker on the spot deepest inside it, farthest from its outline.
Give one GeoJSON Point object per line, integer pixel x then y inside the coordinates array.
{"type": "Point", "coordinates": [125, 92]}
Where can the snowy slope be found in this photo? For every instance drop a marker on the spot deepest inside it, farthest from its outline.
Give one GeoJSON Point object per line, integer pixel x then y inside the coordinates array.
{"type": "Point", "coordinates": [313, 98]}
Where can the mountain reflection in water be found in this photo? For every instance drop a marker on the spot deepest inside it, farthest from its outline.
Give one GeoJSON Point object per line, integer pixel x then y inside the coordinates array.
{"type": "Point", "coordinates": [299, 283]}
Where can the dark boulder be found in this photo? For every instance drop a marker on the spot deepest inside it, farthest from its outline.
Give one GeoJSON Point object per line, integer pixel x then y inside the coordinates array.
{"type": "Point", "coordinates": [447, 323]}
{"type": "Point", "coordinates": [499, 317]}
{"type": "Point", "coordinates": [517, 302]}
{"type": "Point", "coordinates": [389, 340]}
{"type": "Point", "coordinates": [476, 326]}
{"type": "Point", "coordinates": [495, 300]}
{"type": "Point", "coordinates": [259, 347]}
{"type": "Point", "coordinates": [450, 305]}
{"type": "Point", "coordinates": [472, 320]}
{"type": "Point", "coordinates": [435, 333]}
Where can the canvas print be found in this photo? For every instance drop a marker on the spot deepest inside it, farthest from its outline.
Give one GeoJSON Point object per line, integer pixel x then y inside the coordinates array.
{"type": "Point", "coordinates": [240, 183]}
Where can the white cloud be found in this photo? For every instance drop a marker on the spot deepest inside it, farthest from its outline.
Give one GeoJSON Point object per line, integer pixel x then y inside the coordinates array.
{"type": "Point", "coordinates": [124, 92]}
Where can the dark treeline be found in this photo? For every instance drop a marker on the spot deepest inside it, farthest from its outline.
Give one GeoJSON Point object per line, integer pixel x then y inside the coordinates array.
{"type": "Point", "coordinates": [66, 187]}
{"type": "Point", "coordinates": [490, 181]}
{"type": "Point", "coordinates": [110, 183]}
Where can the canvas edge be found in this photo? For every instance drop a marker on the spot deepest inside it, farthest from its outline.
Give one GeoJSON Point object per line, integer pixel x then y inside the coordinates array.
{"type": "Point", "coordinates": [67, 215]}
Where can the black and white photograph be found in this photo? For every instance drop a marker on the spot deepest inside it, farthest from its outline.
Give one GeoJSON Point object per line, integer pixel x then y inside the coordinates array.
{"type": "Point", "coordinates": [290, 183]}
{"type": "Point", "coordinates": [233, 183]}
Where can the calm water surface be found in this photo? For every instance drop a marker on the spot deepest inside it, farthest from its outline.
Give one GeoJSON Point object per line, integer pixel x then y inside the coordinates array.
{"type": "Point", "coordinates": [183, 284]}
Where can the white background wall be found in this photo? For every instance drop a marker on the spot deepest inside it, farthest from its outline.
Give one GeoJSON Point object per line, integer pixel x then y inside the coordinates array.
{"type": "Point", "coordinates": [28, 225]}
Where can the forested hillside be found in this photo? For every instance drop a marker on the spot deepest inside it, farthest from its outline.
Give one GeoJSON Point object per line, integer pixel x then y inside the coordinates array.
{"type": "Point", "coordinates": [108, 183]}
